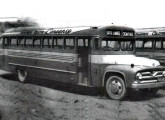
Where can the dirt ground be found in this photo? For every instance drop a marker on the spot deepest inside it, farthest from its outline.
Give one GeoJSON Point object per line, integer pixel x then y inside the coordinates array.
{"type": "Point", "coordinates": [33, 101]}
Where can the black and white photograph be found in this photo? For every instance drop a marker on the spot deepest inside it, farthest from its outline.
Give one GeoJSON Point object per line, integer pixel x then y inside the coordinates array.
{"type": "Point", "coordinates": [82, 60]}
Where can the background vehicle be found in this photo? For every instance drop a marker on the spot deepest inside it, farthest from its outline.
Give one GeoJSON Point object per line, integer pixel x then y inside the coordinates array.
{"type": "Point", "coordinates": [102, 57]}
{"type": "Point", "coordinates": [151, 45]}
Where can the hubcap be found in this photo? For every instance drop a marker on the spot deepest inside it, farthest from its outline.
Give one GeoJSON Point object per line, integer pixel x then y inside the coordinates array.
{"type": "Point", "coordinates": [116, 87]}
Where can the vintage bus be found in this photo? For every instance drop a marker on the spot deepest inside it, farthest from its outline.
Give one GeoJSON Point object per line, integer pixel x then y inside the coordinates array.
{"type": "Point", "coordinates": [151, 46]}
{"type": "Point", "coordinates": [101, 57]}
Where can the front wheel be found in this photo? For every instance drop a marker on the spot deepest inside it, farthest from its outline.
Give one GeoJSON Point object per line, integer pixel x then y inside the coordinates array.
{"type": "Point", "coordinates": [22, 76]}
{"type": "Point", "coordinates": [115, 88]}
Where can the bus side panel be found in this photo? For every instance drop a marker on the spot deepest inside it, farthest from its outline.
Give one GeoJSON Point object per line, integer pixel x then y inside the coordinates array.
{"type": "Point", "coordinates": [58, 67]}
{"type": "Point", "coordinates": [97, 72]}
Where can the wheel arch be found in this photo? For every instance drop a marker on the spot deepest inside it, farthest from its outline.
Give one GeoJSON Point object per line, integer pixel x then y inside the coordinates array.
{"type": "Point", "coordinates": [109, 73]}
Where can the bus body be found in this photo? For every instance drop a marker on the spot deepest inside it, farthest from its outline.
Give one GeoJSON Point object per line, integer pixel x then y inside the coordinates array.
{"type": "Point", "coordinates": [101, 57]}
{"type": "Point", "coordinates": [151, 46]}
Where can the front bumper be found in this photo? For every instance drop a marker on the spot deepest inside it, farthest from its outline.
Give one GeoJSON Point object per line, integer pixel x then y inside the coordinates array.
{"type": "Point", "coordinates": [148, 85]}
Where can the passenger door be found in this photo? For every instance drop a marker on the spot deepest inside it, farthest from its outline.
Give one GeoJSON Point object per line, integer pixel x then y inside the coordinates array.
{"type": "Point", "coordinates": [83, 66]}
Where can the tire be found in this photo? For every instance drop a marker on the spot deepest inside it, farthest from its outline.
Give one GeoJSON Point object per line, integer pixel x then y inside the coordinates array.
{"type": "Point", "coordinates": [115, 88]}
{"type": "Point", "coordinates": [149, 91]}
{"type": "Point", "coordinates": [22, 76]}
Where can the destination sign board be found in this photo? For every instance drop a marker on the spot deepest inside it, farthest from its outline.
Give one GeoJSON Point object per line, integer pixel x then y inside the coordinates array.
{"type": "Point", "coordinates": [118, 33]}
{"type": "Point", "coordinates": [128, 34]}
{"type": "Point", "coordinates": [113, 33]}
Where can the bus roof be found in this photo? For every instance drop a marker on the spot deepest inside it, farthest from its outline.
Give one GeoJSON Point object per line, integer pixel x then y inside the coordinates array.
{"type": "Point", "coordinates": [66, 31]}
{"type": "Point", "coordinates": [149, 36]}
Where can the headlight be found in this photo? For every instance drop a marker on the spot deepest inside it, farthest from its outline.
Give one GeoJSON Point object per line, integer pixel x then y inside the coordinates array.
{"type": "Point", "coordinates": [138, 76]}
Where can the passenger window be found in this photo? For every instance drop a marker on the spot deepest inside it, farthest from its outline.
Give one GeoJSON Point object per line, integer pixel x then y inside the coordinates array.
{"type": "Point", "coordinates": [21, 42]}
{"type": "Point", "coordinates": [158, 44]}
{"type": "Point", "coordinates": [148, 44]}
{"type": "Point", "coordinates": [80, 42]}
{"type": "Point", "coordinates": [83, 42]}
{"type": "Point", "coordinates": [47, 42]}
{"type": "Point", "coordinates": [86, 42]}
{"type": "Point", "coordinates": [28, 42]}
{"type": "Point", "coordinates": [60, 43]}
{"type": "Point", "coordinates": [139, 44]}
{"type": "Point", "coordinates": [37, 43]}
{"type": "Point", "coordinates": [54, 43]}
{"type": "Point", "coordinates": [7, 41]}
{"type": "Point", "coordinates": [163, 44]}
{"type": "Point", "coordinates": [13, 42]}
{"type": "Point", "coordinates": [104, 44]}
{"type": "Point", "coordinates": [69, 43]}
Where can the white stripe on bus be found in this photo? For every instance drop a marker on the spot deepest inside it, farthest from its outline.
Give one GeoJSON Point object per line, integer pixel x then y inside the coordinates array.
{"type": "Point", "coordinates": [51, 69]}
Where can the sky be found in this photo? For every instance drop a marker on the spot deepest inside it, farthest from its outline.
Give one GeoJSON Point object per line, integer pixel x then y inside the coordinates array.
{"type": "Point", "coordinates": [64, 13]}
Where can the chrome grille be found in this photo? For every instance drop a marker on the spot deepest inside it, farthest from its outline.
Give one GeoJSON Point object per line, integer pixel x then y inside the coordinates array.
{"type": "Point", "coordinates": [151, 75]}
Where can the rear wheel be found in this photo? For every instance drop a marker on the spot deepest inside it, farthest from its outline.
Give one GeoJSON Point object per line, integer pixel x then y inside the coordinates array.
{"type": "Point", "coordinates": [115, 88]}
{"type": "Point", "coordinates": [22, 76]}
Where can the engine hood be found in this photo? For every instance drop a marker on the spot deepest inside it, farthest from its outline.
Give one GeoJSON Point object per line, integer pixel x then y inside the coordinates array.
{"type": "Point", "coordinates": [124, 59]}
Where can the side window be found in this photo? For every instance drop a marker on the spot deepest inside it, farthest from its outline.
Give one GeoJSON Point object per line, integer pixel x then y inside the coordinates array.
{"type": "Point", "coordinates": [163, 44]}
{"type": "Point", "coordinates": [21, 42]}
{"type": "Point", "coordinates": [47, 42]}
{"type": "Point", "coordinates": [139, 44]}
{"type": "Point", "coordinates": [54, 43]}
{"type": "Point", "coordinates": [80, 42]}
{"type": "Point", "coordinates": [37, 43]}
{"type": "Point", "coordinates": [86, 42]}
{"type": "Point", "coordinates": [60, 42]}
{"type": "Point", "coordinates": [158, 44]}
{"type": "Point", "coordinates": [69, 43]}
{"type": "Point", "coordinates": [148, 44]}
{"type": "Point", "coordinates": [13, 41]}
{"type": "Point", "coordinates": [6, 41]}
{"type": "Point", "coordinates": [28, 42]}
{"type": "Point", "coordinates": [104, 44]}
{"type": "Point", "coordinates": [83, 42]}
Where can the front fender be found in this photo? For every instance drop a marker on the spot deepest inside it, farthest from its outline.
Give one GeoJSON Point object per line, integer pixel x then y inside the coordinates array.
{"type": "Point", "coordinates": [126, 71]}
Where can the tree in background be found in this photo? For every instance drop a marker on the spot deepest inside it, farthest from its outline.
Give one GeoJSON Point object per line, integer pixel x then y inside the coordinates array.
{"type": "Point", "coordinates": [9, 23]}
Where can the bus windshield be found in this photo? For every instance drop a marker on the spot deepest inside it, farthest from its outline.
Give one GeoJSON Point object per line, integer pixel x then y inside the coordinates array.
{"type": "Point", "coordinates": [116, 45]}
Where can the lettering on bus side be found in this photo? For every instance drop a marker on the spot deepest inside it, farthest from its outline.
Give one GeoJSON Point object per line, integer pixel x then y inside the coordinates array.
{"type": "Point", "coordinates": [53, 31]}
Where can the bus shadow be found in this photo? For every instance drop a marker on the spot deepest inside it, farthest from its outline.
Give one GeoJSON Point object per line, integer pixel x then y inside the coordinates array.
{"type": "Point", "coordinates": [83, 90]}
{"type": "Point", "coordinates": [133, 95]}
{"type": "Point", "coordinates": [136, 95]}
